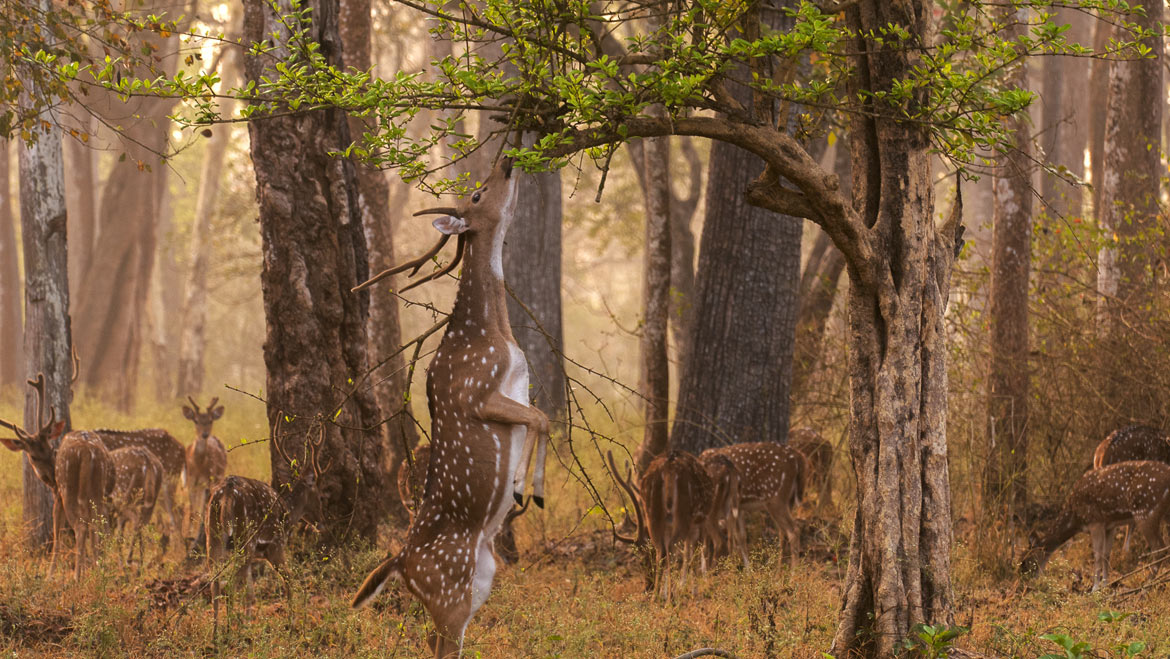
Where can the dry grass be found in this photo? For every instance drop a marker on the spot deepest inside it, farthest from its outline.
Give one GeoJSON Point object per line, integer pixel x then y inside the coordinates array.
{"type": "Point", "coordinates": [574, 594]}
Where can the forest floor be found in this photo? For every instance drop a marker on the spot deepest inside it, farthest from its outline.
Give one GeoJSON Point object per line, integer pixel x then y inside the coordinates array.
{"type": "Point", "coordinates": [574, 593]}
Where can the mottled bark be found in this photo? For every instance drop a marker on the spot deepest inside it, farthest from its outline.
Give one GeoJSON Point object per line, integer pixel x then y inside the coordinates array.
{"type": "Point", "coordinates": [11, 330]}
{"type": "Point", "coordinates": [314, 249]}
{"type": "Point", "coordinates": [1005, 484]}
{"type": "Point", "coordinates": [1065, 117]}
{"type": "Point", "coordinates": [656, 262]}
{"type": "Point", "coordinates": [46, 295]}
{"type": "Point", "coordinates": [899, 559]}
{"type": "Point", "coordinates": [383, 331]}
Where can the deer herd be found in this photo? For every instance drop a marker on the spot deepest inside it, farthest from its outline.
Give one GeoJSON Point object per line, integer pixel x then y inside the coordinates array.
{"type": "Point", "coordinates": [466, 487]}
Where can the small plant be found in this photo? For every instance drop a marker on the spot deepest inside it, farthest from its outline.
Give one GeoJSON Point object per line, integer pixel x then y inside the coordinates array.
{"type": "Point", "coordinates": [1073, 649]}
{"type": "Point", "coordinates": [932, 641]}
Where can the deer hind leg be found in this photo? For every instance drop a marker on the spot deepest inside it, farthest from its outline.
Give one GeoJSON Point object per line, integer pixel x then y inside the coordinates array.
{"type": "Point", "coordinates": [1102, 539]}
{"type": "Point", "coordinates": [1151, 529]}
{"type": "Point", "coordinates": [782, 515]}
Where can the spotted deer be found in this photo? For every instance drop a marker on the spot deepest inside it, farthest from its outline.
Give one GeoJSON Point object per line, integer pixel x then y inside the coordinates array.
{"type": "Point", "coordinates": [1133, 442]}
{"type": "Point", "coordinates": [206, 459]}
{"type": "Point", "coordinates": [772, 478]}
{"type": "Point", "coordinates": [1134, 492]}
{"type": "Point", "coordinates": [78, 470]}
{"type": "Point", "coordinates": [250, 518]}
{"type": "Point", "coordinates": [484, 432]}
{"type": "Point", "coordinates": [725, 507]}
{"type": "Point", "coordinates": [173, 457]}
{"type": "Point", "coordinates": [138, 479]}
{"type": "Point", "coordinates": [819, 453]}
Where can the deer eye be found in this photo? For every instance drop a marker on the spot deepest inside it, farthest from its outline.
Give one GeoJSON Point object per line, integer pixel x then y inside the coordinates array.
{"type": "Point", "coordinates": [475, 197]}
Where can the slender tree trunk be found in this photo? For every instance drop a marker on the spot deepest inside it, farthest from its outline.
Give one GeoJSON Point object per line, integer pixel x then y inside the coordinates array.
{"type": "Point", "coordinates": [46, 294]}
{"type": "Point", "coordinates": [1066, 111]}
{"type": "Point", "coordinates": [384, 334]}
{"type": "Point", "coordinates": [11, 331]}
{"type": "Point", "coordinates": [314, 249]}
{"type": "Point", "coordinates": [81, 199]}
{"type": "Point", "coordinates": [899, 559]}
{"type": "Point", "coordinates": [1008, 388]}
{"type": "Point", "coordinates": [656, 271]}
{"type": "Point", "coordinates": [1099, 92]}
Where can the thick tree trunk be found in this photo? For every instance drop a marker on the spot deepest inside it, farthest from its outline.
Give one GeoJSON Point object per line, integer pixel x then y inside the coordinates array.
{"type": "Point", "coordinates": [47, 345]}
{"type": "Point", "coordinates": [11, 331]}
{"type": "Point", "coordinates": [1005, 484]}
{"type": "Point", "coordinates": [384, 334]}
{"type": "Point", "coordinates": [899, 561]}
{"type": "Point", "coordinates": [735, 383]}
{"type": "Point", "coordinates": [314, 249]}
{"type": "Point", "coordinates": [1066, 116]}
{"type": "Point", "coordinates": [656, 271]}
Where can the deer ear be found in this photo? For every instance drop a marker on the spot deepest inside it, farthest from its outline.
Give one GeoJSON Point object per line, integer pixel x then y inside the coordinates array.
{"type": "Point", "coordinates": [189, 413]}
{"type": "Point", "coordinates": [58, 428]}
{"type": "Point", "coordinates": [450, 225]}
{"type": "Point", "coordinates": [11, 443]}
{"type": "Point", "coordinates": [217, 412]}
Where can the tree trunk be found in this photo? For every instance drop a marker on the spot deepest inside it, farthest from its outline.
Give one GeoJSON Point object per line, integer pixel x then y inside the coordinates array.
{"type": "Point", "coordinates": [1129, 210]}
{"type": "Point", "coordinates": [384, 334]}
{"type": "Point", "coordinates": [11, 332]}
{"type": "Point", "coordinates": [1005, 485]}
{"type": "Point", "coordinates": [656, 271]}
{"type": "Point", "coordinates": [81, 200]}
{"type": "Point", "coordinates": [47, 343]}
{"type": "Point", "coordinates": [735, 383]}
{"type": "Point", "coordinates": [314, 250]}
{"type": "Point", "coordinates": [899, 559]}
{"type": "Point", "coordinates": [1099, 91]}
{"type": "Point", "coordinates": [1066, 116]}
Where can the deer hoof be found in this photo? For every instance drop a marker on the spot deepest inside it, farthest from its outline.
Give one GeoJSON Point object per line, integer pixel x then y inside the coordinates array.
{"type": "Point", "coordinates": [539, 501]}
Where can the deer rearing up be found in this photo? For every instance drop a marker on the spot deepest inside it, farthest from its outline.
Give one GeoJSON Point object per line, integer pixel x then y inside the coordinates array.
{"type": "Point", "coordinates": [78, 470]}
{"type": "Point", "coordinates": [1136, 492]}
{"type": "Point", "coordinates": [206, 458]}
{"type": "Point", "coordinates": [483, 430]}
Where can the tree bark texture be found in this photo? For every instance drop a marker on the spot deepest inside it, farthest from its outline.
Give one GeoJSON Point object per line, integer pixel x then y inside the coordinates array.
{"type": "Point", "coordinates": [899, 559]}
{"type": "Point", "coordinates": [47, 341]}
{"type": "Point", "coordinates": [1099, 92]}
{"type": "Point", "coordinates": [112, 296]}
{"type": "Point", "coordinates": [383, 331]}
{"type": "Point", "coordinates": [1066, 109]}
{"type": "Point", "coordinates": [314, 249]}
{"type": "Point", "coordinates": [11, 330]}
{"type": "Point", "coordinates": [656, 271]}
{"type": "Point", "coordinates": [735, 383]}
{"type": "Point", "coordinates": [1005, 484]}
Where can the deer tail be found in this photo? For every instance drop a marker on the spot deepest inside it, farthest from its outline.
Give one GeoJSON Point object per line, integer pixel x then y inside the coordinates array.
{"type": "Point", "coordinates": [376, 581]}
{"type": "Point", "coordinates": [1099, 454]}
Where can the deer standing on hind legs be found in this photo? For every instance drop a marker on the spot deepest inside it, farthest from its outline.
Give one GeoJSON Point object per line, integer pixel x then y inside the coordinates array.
{"type": "Point", "coordinates": [483, 429]}
{"type": "Point", "coordinates": [78, 470]}
{"type": "Point", "coordinates": [206, 458]}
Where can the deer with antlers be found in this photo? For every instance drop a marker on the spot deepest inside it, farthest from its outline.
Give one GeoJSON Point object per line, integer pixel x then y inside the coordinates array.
{"type": "Point", "coordinates": [1135, 492]}
{"type": "Point", "coordinates": [78, 470]}
{"type": "Point", "coordinates": [249, 517]}
{"type": "Point", "coordinates": [138, 479]}
{"type": "Point", "coordinates": [484, 432]}
{"type": "Point", "coordinates": [205, 462]}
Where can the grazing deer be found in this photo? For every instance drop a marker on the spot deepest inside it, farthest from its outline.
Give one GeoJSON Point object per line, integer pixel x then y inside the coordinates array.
{"type": "Point", "coordinates": [483, 430]}
{"type": "Point", "coordinates": [250, 518]}
{"type": "Point", "coordinates": [78, 470]}
{"type": "Point", "coordinates": [819, 453]}
{"type": "Point", "coordinates": [725, 506]}
{"type": "Point", "coordinates": [138, 478]}
{"type": "Point", "coordinates": [1135, 492]}
{"type": "Point", "coordinates": [412, 475]}
{"type": "Point", "coordinates": [173, 457]}
{"type": "Point", "coordinates": [206, 459]}
{"type": "Point", "coordinates": [772, 478]}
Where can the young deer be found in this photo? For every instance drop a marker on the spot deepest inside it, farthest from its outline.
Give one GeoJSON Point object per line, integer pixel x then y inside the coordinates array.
{"type": "Point", "coordinates": [78, 470]}
{"type": "Point", "coordinates": [206, 459]}
{"type": "Point", "coordinates": [483, 430]}
{"type": "Point", "coordinates": [173, 457]}
{"type": "Point", "coordinates": [249, 517]}
{"type": "Point", "coordinates": [819, 454]}
{"type": "Point", "coordinates": [412, 477]}
{"type": "Point", "coordinates": [772, 478]}
{"type": "Point", "coordinates": [138, 478]}
{"type": "Point", "coordinates": [1136, 492]}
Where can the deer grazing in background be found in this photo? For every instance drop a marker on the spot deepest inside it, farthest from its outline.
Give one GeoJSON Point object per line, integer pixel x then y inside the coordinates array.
{"type": "Point", "coordinates": [172, 456]}
{"type": "Point", "coordinates": [819, 454]}
{"type": "Point", "coordinates": [206, 459]}
{"type": "Point", "coordinates": [484, 432]}
{"type": "Point", "coordinates": [1132, 443]}
{"type": "Point", "coordinates": [1136, 492]}
{"type": "Point", "coordinates": [772, 478]}
{"type": "Point", "coordinates": [725, 506]}
{"type": "Point", "coordinates": [78, 470]}
{"type": "Point", "coordinates": [248, 517]}
{"type": "Point", "coordinates": [138, 479]}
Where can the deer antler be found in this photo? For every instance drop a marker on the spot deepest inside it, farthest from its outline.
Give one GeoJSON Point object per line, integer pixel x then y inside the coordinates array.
{"type": "Point", "coordinates": [76, 365]}
{"type": "Point", "coordinates": [39, 385]}
{"type": "Point", "coordinates": [450, 266]}
{"type": "Point", "coordinates": [194, 405]}
{"type": "Point", "coordinates": [628, 486]}
{"type": "Point", "coordinates": [413, 266]}
{"type": "Point", "coordinates": [211, 405]}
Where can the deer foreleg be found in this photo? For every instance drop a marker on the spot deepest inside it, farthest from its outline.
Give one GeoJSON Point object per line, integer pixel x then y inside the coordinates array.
{"type": "Point", "coordinates": [499, 408]}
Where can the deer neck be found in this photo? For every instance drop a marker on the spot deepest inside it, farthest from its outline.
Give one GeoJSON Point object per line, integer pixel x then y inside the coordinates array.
{"type": "Point", "coordinates": [481, 300]}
